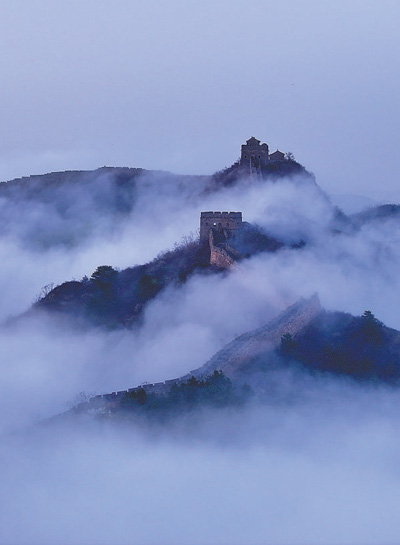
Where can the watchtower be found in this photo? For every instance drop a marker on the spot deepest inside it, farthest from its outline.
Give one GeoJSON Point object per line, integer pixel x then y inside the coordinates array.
{"type": "Point", "coordinates": [254, 154]}
{"type": "Point", "coordinates": [221, 221]}
{"type": "Point", "coordinates": [277, 156]}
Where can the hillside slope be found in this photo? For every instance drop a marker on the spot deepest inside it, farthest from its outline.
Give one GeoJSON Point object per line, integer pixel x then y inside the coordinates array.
{"type": "Point", "coordinates": [339, 343]}
{"type": "Point", "coordinates": [304, 338]}
{"type": "Point", "coordinates": [68, 208]}
{"type": "Point", "coordinates": [376, 214]}
{"type": "Point", "coordinates": [236, 358]}
{"type": "Point", "coordinates": [112, 298]}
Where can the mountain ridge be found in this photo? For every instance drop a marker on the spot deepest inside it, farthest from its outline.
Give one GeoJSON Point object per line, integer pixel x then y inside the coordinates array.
{"type": "Point", "coordinates": [247, 365]}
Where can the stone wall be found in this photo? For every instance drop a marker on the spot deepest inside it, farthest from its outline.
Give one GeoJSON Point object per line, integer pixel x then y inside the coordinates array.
{"type": "Point", "coordinates": [222, 255]}
{"type": "Point", "coordinates": [233, 358]}
{"type": "Point", "coordinates": [237, 355]}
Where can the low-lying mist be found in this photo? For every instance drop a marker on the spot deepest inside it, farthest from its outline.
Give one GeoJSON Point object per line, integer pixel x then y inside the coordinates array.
{"type": "Point", "coordinates": [321, 469]}
{"type": "Point", "coordinates": [184, 326]}
{"type": "Point", "coordinates": [315, 464]}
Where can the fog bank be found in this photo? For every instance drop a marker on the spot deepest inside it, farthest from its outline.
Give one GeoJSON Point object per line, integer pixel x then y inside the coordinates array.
{"type": "Point", "coordinates": [321, 471]}
{"type": "Point", "coordinates": [316, 464]}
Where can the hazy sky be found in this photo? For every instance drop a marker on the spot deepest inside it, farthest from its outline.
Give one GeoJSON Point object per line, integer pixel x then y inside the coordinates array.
{"type": "Point", "coordinates": [179, 85]}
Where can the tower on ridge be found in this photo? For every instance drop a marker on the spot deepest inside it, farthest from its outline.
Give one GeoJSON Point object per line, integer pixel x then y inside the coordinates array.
{"type": "Point", "coordinates": [254, 154]}
{"type": "Point", "coordinates": [226, 222]}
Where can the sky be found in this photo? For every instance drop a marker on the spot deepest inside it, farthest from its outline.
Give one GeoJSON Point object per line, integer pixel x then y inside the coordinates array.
{"type": "Point", "coordinates": [180, 85]}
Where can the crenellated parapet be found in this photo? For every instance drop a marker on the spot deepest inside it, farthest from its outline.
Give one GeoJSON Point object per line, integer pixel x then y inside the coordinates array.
{"type": "Point", "coordinates": [228, 221]}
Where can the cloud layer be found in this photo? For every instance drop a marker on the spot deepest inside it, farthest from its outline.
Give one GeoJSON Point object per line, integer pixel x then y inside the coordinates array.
{"type": "Point", "coordinates": [308, 470]}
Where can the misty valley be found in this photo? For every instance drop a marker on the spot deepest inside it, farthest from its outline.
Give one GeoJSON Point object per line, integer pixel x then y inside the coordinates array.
{"type": "Point", "coordinates": [181, 346]}
{"type": "Point", "coordinates": [199, 329]}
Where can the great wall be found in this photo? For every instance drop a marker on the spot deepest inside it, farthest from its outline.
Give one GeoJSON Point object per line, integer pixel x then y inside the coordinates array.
{"type": "Point", "coordinates": [222, 255]}
{"type": "Point", "coordinates": [233, 357]}
{"type": "Point", "coordinates": [216, 229]}
{"type": "Point", "coordinates": [255, 155]}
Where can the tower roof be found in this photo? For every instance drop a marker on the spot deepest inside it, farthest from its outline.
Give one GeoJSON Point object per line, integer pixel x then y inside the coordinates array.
{"type": "Point", "coordinates": [253, 140]}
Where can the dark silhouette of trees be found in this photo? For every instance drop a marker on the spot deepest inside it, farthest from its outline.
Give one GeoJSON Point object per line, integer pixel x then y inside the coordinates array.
{"type": "Point", "coordinates": [135, 398]}
{"type": "Point", "coordinates": [361, 347]}
{"type": "Point", "coordinates": [148, 286]}
{"type": "Point", "coordinates": [288, 345]}
{"type": "Point", "coordinates": [104, 275]}
{"type": "Point", "coordinates": [103, 300]}
{"type": "Point", "coordinates": [214, 390]}
{"type": "Point", "coordinates": [371, 329]}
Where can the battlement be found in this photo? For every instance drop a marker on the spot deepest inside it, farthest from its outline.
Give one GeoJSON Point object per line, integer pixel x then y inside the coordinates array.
{"type": "Point", "coordinates": [223, 214]}
{"type": "Point", "coordinates": [222, 221]}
